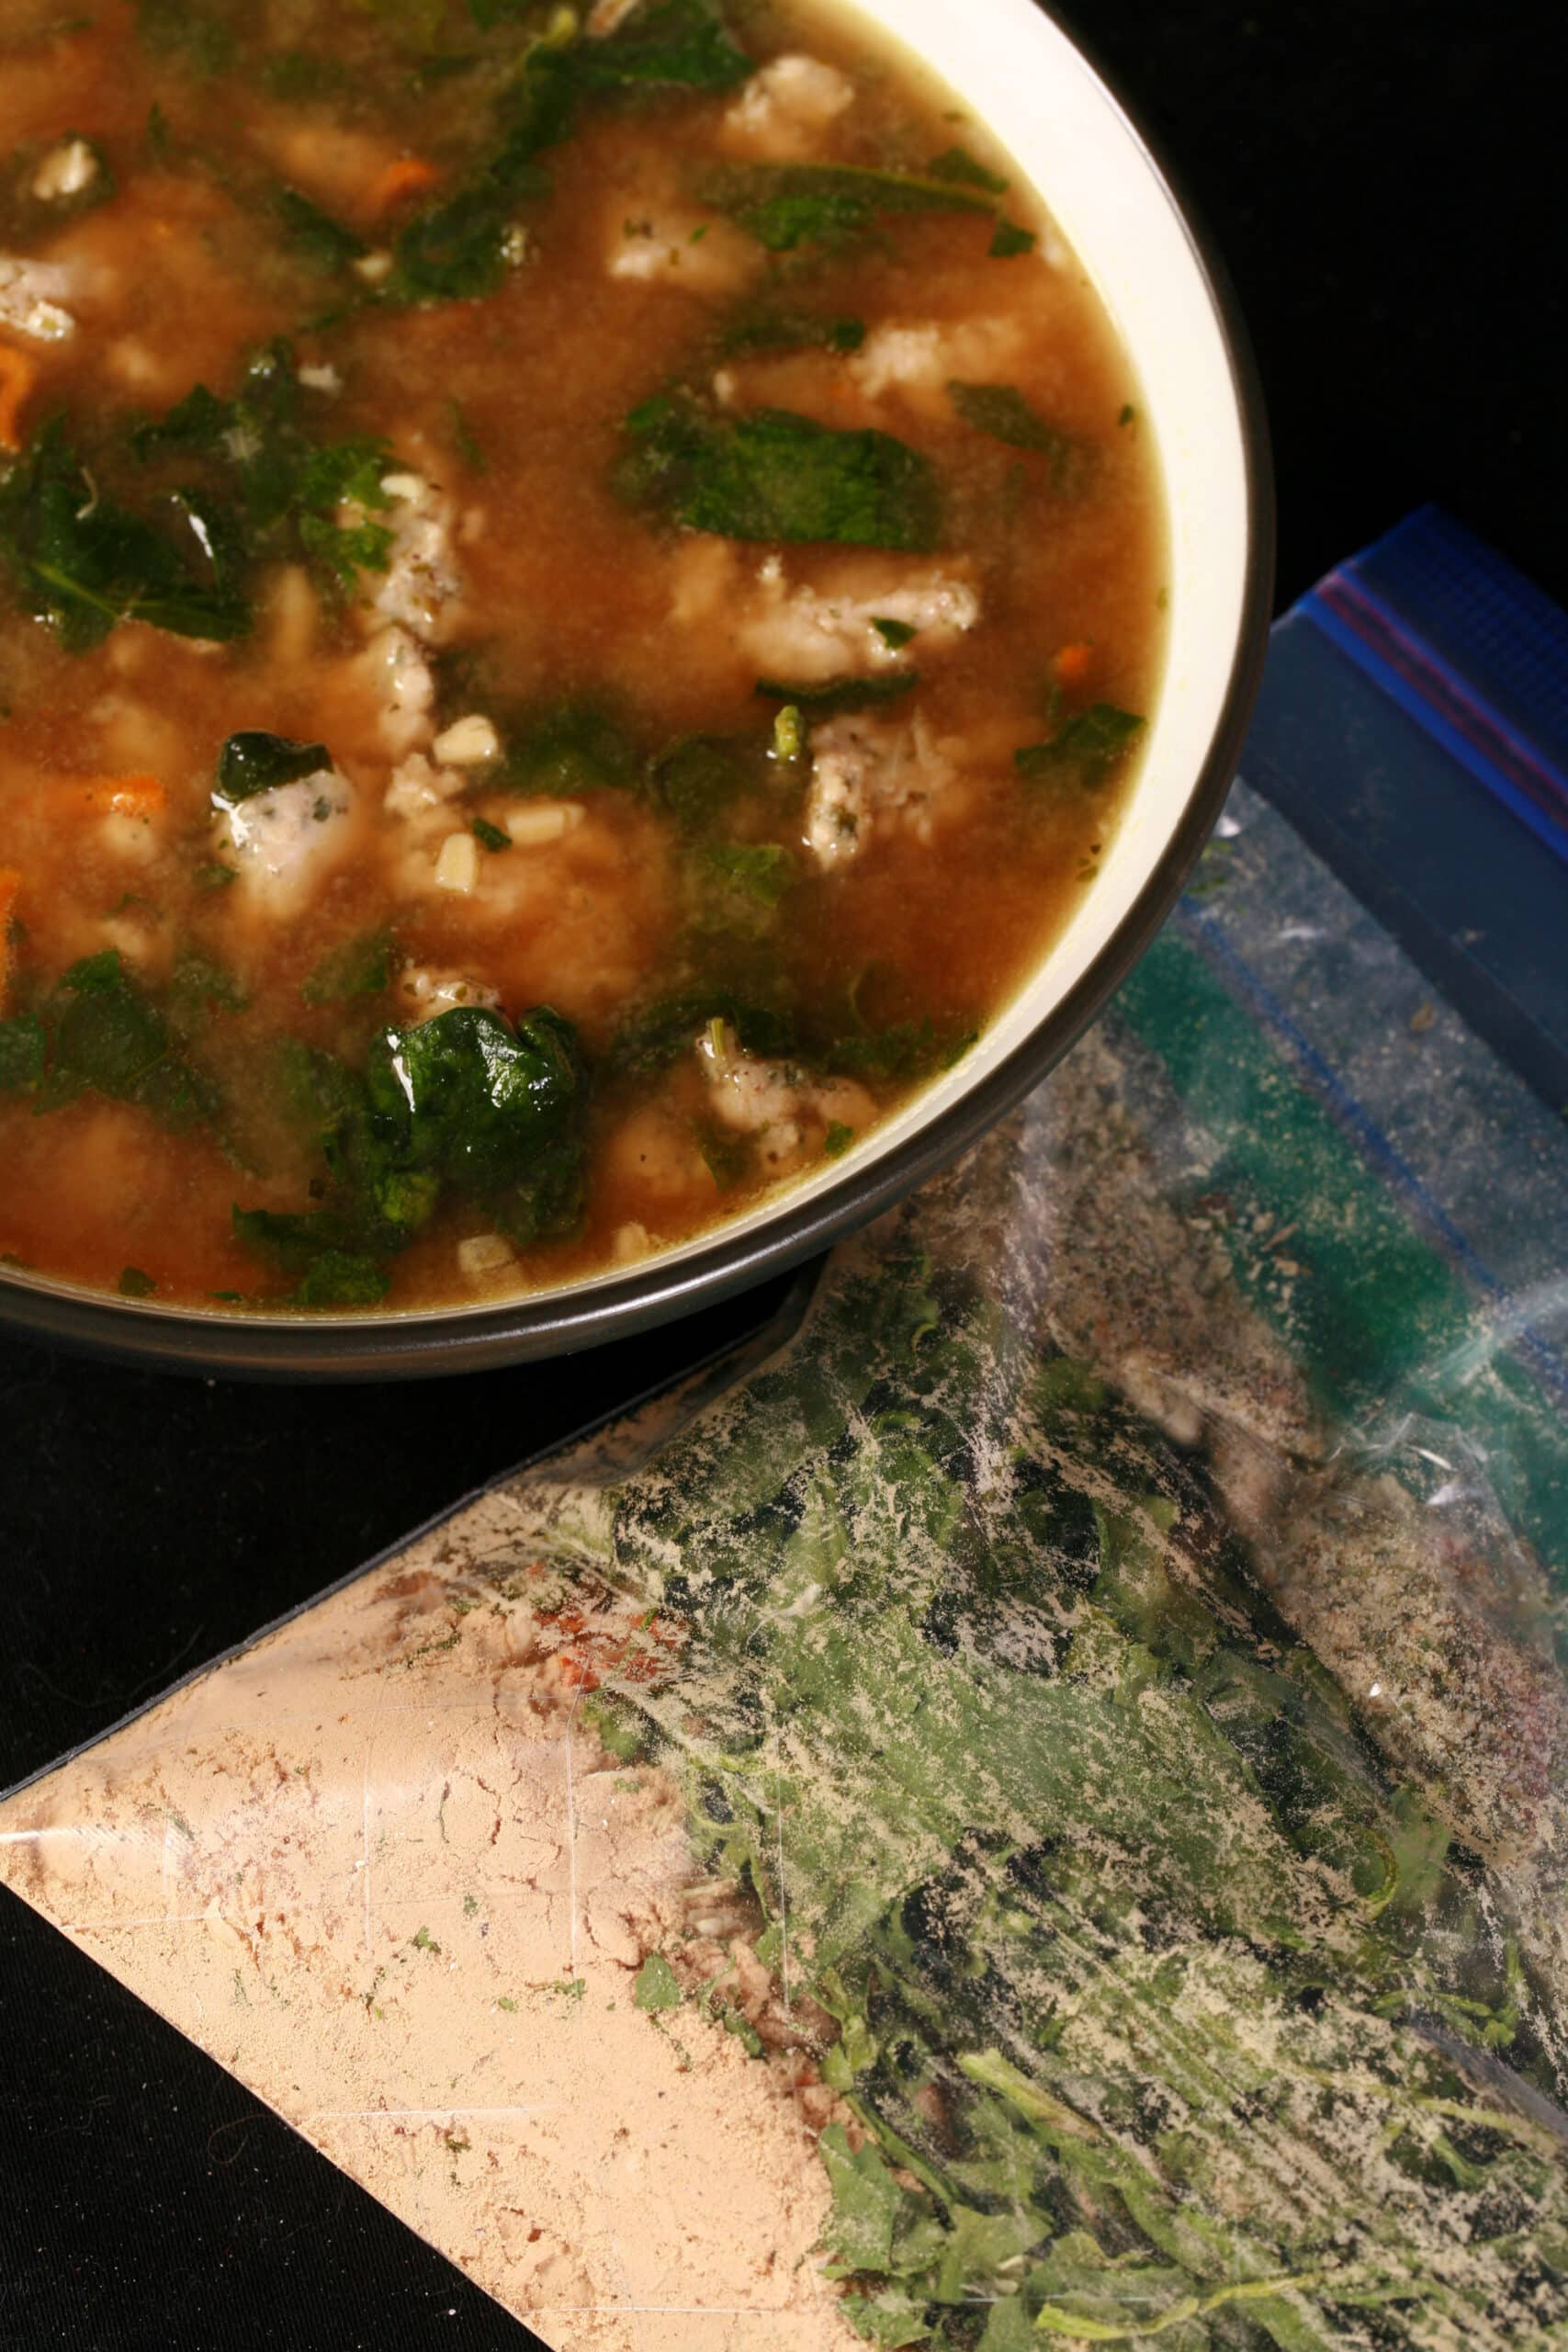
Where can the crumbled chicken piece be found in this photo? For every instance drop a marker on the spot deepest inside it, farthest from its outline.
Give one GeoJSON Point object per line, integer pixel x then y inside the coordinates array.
{"type": "Point", "coordinates": [916, 361]}
{"type": "Point", "coordinates": [656, 1152]}
{"type": "Point", "coordinates": [285, 839]}
{"type": "Point", "coordinates": [373, 270]}
{"type": "Point", "coordinates": [421, 585]}
{"type": "Point", "coordinates": [633, 1240]}
{"type": "Point", "coordinates": [811, 633]}
{"type": "Point", "coordinates": [66, 171]}
{"type": "Point", "coordinates": [676, 246]}
{"type": "Point", "coordinates": [865, 771]}
{"type": "Point", "coordinates": [483, 1255]}
{"type": "Point", "coordinates": [783, 111]}
{"type": "Point", "coordinates": [420, 790]}
{"type": "Point", "coordinates": [323, 378]}
{"type": "Point", "coordinates": [30, 301]}
{"type": "Point", "coordinates": [608, 16]}
{"type": "Point", "coordinates": [404, 686]}
{"type": "Point", "coordinates": [777, 1102]}
{"type": "Point", "coordinates": [467, 743]}
{"type": "Point", "coordinates": [423, 991]}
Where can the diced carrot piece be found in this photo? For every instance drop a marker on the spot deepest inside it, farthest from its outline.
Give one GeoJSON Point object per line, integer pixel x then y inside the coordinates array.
{"type": "Point", "coordinates": [1071, 667]}
{"type": "Point", "coordinates": [134, 796]}
{"type": "Point", "coordinates": [10, 888]}
{"type": "Point", "coordinates": [18, 374]}
{"type": "Point", "coordinates": [115, 795]}
{"type": "Point", "coordinates": [410, 176]}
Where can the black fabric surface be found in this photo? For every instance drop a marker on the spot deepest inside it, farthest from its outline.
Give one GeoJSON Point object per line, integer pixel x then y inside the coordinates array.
{"type": "Point", "coordinates": [1381, 181]}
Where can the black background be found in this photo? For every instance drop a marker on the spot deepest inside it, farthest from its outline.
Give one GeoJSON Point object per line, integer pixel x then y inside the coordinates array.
{"type": "Point", "coordinates": [1383, 181]}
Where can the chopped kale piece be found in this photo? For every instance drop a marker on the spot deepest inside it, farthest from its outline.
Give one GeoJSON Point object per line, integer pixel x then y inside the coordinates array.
{"type": "Point", "coordinates": [463, 440]}
{"type": "Point", "coordinates": [21, 1052]}
{"type": "Point", "coordinates": [1010, 241]}
{"type": "Point", "coordinates": [488, 836]}
{"type": "Point", "coordinates": [196, 31]}
{"type": "Point", "coordinates": [1086, 751]}
{"type": "Point", "coordinates": [772, 475]}
{"type": "Point", "coordinates": [330, 243]}
{"type": "Point", "coordinates": [104, 1035]}
{"type": "Point", "coordinates": [785, 206]}
{"type": "Point", "coordinates": [673, 44]}
{"type": "Point", "coordinates": [700, 774]}
{"type": "Point", "coordinates": [791, 330]}
{"type": "Point", "coordinates": [361, 966]}
{"type": "Point", "coordinates": [836, 1140]}
{"type": "Point", "coordinates": [653, 1038]}
{"type": "Point", "coordinates": [895, 635]}
{"type": "Point", "coordinates": [494, 1112]}
{"type": "Point", "coordinates": [254, 761]}
{"type": "Point", "coordinates": [287, 487]}
{"type": "Point", "coordinates": [340, 1278]}
{"type": "Point", "coordinates": [464, 1106]}
{"type": "Point", "coordinates": [134, 1283]}
{"type": "Point", "coordinates": [829, 694]}
{"type": "Point", "coordinates": [1002, 411]}
{"type": "Point", "coordinates": [900, 1053]}
{"type": "Point", "coordinates": [740, 886]}
{"type": "Point", "coordinates": [957, 164]}
{"type": "Point", "coordinates": [82, 562]}
{"type": "Point", "coordinates": [571, 746]}
{"type": "Point", "coordinates": [198, 986]}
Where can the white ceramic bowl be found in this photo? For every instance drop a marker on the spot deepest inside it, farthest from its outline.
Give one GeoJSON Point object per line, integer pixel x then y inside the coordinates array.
{"type": "Point", "coordinates": [1016, 69]}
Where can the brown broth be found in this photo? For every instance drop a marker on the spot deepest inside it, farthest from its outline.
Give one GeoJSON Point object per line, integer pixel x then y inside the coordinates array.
{"type": "Point", "coordinates": [509, 407]}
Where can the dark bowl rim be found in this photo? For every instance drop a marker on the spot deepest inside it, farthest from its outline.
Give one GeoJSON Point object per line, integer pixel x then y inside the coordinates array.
{"type": "Point", "coordinates": [414, 1345]}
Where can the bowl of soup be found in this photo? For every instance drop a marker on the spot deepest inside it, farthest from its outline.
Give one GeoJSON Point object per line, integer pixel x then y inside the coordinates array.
{"type": "Point", "coordinates": [614, 625]}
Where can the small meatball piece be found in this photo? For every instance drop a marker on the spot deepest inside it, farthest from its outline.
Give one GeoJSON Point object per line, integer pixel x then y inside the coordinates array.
{"type": "Point", "coordinates": [33, 299]}
{"type": "Point", "coordinates": [775, 1101]}
{"type": "Point", "coordinates": [403, 687]}
{"type": "Point", "coordinates": [655, 1154]}
{"type": "Point", "coordinates": [423, 992]}
{"type": "Point", "coordinates": [914, 363]}
{"type": "Point", "coordinates": [869, 773]}
{"type": "Point", "coordinates": [421, 587]}
{"type": "Point", "coordinates": [419, 793]}
{"type": "Point", "coordinates": [781, 114]}
{"type": "Point", "coordinates": [811, 633]}
{"type": "Point", "coordinates": [671, 244]}
{"type": "Point", "coordinates": [287, 841]}
{"type": "Point", "coordinates": [67, 170]}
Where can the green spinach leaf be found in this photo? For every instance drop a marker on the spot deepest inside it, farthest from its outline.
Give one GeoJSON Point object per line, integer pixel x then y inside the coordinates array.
{"type": "Point", "coordinates": [361, 966]}
{"type": "Point", "coordinates": [104, 1035]}
{"type": "Point", "coordinates": [1002, 411]}
{"type": "Point", "coordinates": [254, 761]}
{"type": "Point", "coordinates": [1086, 751]}
{"type": "Point", "coordinates": [826, 696]}
{"type": "Point", "coordinates": [82, 562]}
{"type": "Point", "coordinates": [772, 475]}
{"type": "Point", "coordinates": [785, 206]}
